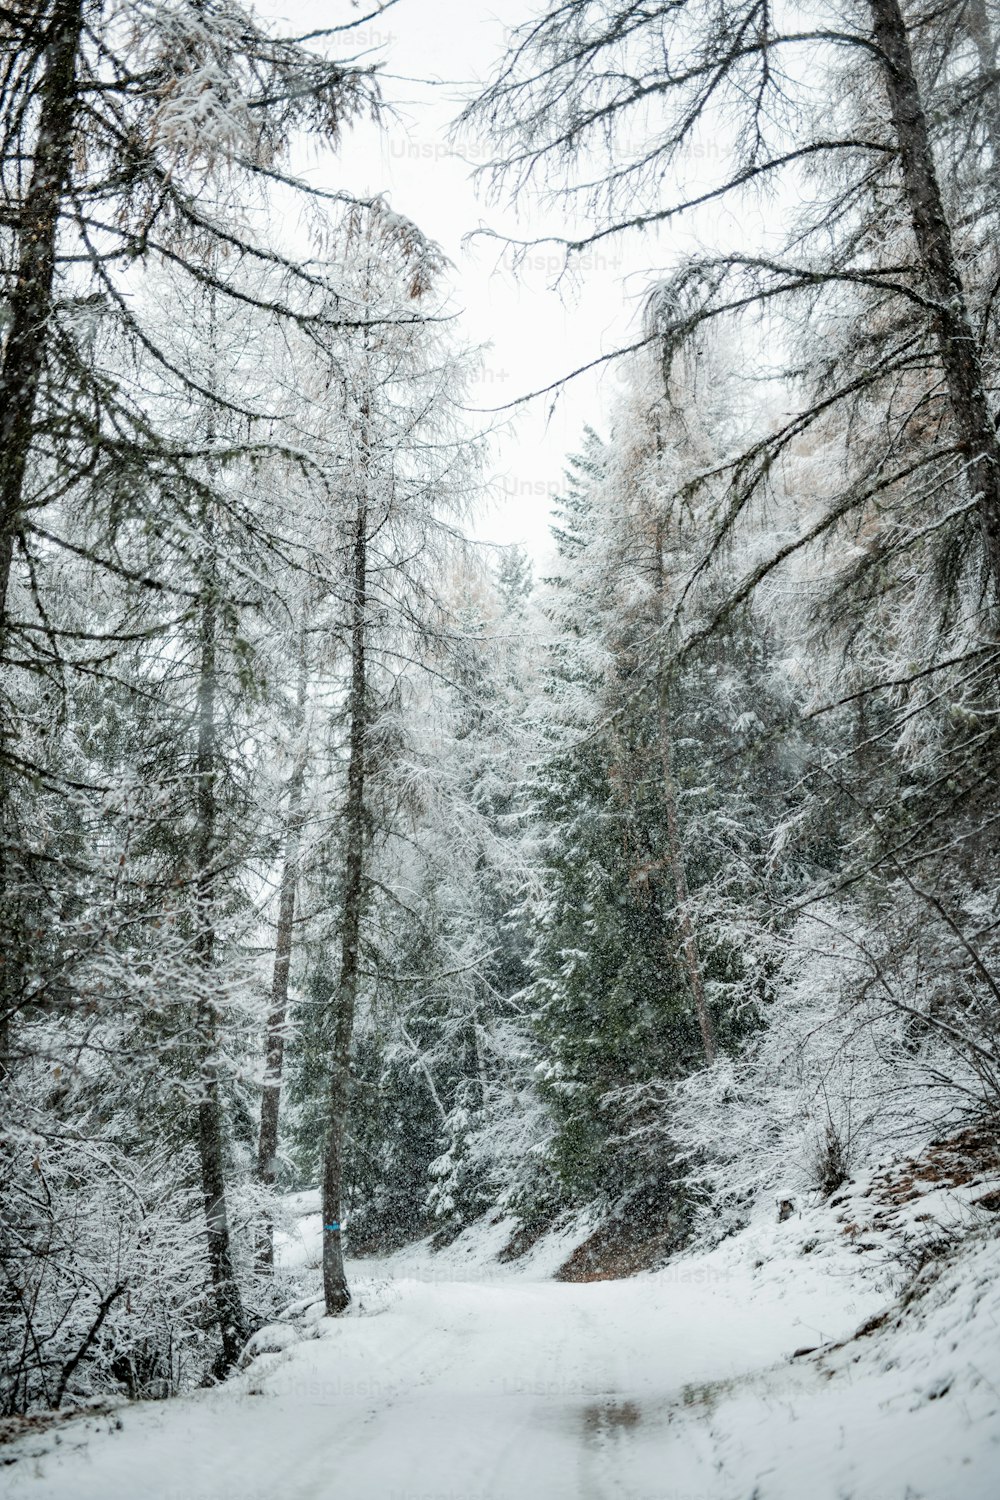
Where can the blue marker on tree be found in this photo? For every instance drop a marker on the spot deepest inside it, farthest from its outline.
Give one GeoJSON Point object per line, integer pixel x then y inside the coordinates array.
{"type": "Point", "coordinates": [332, 1228]}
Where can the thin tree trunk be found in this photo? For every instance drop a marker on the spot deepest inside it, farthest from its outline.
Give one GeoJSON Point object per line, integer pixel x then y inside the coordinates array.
{"type": "Point", "coordinates": [977, 23]}
{"type": "Point", "coordinates": [267, 1145]}
{"type": "Point", "coordinates": [675, 848]}
{"type": "Point", "coordinates": [21, 365]}
{"type": "Point", "coordinates": [956, 340]}
{"type": "Point", "coordinates": [334, 1279]}
{"type": "Point", "coordinates": [211, 1148]}
{"type": "Point", "coordinates": [31, 301]}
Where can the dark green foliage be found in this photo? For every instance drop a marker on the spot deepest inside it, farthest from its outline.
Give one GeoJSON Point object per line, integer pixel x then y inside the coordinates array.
{"type": "Point", "coordinates": [614, 1013]}
{"type": "Point", "coordinates": [611, 1006]}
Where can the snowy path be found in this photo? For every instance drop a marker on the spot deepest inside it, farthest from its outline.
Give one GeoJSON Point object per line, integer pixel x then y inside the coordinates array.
{"type": "Point", "coordinates": [455, 1389]}
{"type": "Point", "coordinates": [671, 1386]}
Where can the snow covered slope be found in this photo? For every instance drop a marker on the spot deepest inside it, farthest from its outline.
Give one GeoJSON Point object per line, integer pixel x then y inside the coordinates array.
{"type": "Point", "coordinates": [454, 1377]}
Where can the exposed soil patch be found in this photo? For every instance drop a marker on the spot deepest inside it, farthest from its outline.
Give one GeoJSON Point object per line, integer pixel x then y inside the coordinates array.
{"type": "Point", "coordinates": [961, 1160]}
{"type": "Point", "coordinates": [610, 1418]}
{"type": "Point", "coordinates": [524, 1238]}
{"type": "Point", "coordinates": [955, 1165]}
{"type": "Point", "coordinates": [615, 1251]}
{"type": "Point", "coordinates": [12, 1428]}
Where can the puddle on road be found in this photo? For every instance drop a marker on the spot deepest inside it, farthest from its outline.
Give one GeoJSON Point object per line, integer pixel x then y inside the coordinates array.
{"type": "Point", "coordinates": [614, 1419]}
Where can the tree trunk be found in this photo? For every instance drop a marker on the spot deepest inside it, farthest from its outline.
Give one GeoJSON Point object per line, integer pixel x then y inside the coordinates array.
{"type": "Point", "coordinates": [267, 1145]}
{"type": "Point", "coordinates": [211, 1148]}
{"type": "Point", "coordinates": [21, 367]}
{"type": "Point", "coordinates": [334, 1279]}
{"type": "Point", "coordinates": [689, 937]}
{"type": "Point", "coordinates": [31, 301]}
{"type": "Point", "coordinates": [675, 849]}
{"type": "Point", "coordinates": [977, 24]}
{"type": "Point", "coordinates": [955, 337]}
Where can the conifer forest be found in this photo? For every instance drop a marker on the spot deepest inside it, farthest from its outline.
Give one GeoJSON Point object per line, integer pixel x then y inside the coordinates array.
{"type": "Point", "coordinates": [500, 979]}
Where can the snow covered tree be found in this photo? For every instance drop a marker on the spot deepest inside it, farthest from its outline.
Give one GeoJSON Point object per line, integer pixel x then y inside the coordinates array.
{"type": "Point", "coordinates": [383, 449]}
{"type": "Point", "coordinates": [872, 504]}
{"type": "Point", "coordinates": [656, 799]}
{"type": "Point", "coordinates": [126, 141]}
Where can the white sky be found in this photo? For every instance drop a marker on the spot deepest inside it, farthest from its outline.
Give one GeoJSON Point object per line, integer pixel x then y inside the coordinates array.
{"type": "Point", "coordinates": [432, 50]}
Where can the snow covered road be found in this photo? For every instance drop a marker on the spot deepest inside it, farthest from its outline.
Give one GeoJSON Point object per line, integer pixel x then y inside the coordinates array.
{"type": "Point", "coordinates": [672, 1386]}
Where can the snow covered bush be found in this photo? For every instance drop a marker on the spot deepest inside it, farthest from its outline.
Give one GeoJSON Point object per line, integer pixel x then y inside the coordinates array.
{"type": "Point", "coordinates": [102, 1270]}
{"type": "Point", "coordinates": [843, 1073]}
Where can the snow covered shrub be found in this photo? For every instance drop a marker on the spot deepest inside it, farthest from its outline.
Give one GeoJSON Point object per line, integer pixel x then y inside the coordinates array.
{"type": "Point", "coordinates": [102, 1270]}
{"type": "Point", "coordinates": [840, 1075]}
{"type": "Point", "coordinates": [105, 1279]}
{"type": "Point", "coordinates": [830, 1160]}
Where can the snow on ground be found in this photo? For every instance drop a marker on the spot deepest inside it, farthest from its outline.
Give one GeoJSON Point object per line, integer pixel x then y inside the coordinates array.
{"type": "Point", "coordinates": [455, 1378]}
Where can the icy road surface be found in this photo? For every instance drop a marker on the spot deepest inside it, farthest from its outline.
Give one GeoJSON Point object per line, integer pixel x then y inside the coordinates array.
{"type": "Point", "coordinates": [675, 1385]}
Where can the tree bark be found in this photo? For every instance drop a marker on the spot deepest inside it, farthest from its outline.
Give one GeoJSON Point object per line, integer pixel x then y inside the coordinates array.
{"type": "Point", "coordinates": [21, 366]}
{"type": "Point", "coordinates": [31, 301]}
{"type": "Point", "coordinates": [267, 1145]}
{"type": "Point", "coordinates": [675, 848]}
{"type": "Point", "coordinates": [956, 339]}
{"type": "Point", "coordinates": [678, 870]}
{"type": "Point", "coordinates": [211, 1135]}
{"type": "Point", "coordinates": [335, 1287]}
